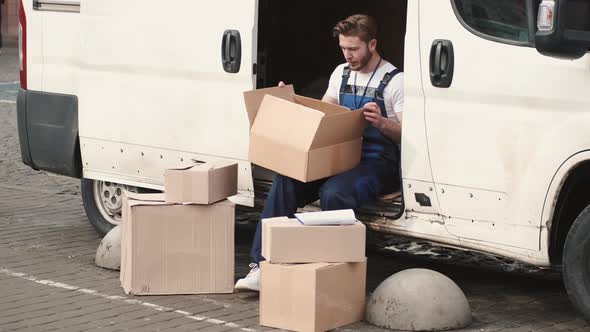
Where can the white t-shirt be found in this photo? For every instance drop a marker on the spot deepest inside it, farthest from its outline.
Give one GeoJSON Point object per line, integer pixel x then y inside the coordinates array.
{"type": "Point", "coordinates": [393, 94]}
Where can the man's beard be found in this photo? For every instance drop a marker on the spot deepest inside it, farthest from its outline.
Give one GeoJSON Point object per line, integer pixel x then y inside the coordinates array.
{"type": "Point", "coordinates": [364, 61]}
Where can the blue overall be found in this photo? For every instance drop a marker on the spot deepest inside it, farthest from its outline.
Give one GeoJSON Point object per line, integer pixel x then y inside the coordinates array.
{"type": "Point", "coordinates": [375, 175]}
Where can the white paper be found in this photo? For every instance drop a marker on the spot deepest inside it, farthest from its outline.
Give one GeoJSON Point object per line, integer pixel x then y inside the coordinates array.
{"type": "Point", "coordinates": [336, 217]}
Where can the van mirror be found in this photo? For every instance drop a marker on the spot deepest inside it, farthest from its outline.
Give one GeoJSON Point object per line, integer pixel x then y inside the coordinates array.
{"type": "Point", "coordinates": [563, 28]}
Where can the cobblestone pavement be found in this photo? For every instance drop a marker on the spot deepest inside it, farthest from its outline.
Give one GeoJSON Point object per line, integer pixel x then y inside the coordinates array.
{"type": "Point", "coordinates": [48, 280]}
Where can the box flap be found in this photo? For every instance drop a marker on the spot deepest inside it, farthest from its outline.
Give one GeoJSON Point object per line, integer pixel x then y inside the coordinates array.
{"type": "Point", "coordinates": [201, 167]}
{"type": "Point", "coordinates": [136, 199]}
{"type": "Point", "coordinates": [311, 266]}
{"type": "Point", "coordinates": [339, 128]}
{"type": "Point", "coordinates": [254, 98]}
{"type": "Point", "coordinates": [327, 108]}
{"type": "Point", "coordinates": [204, 166]}
{"type": "Point", "coordinates": [287, 123]}
{"type": "Point", "coordinates": [225, 202]}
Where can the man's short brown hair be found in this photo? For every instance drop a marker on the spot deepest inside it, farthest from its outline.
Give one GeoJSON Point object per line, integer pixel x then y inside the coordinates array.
{"type": "Point", "coordinates": [359, 25]}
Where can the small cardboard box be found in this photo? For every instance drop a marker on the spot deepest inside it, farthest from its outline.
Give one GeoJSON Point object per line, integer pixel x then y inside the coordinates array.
{"type": "Point", "coordinates": [286, 240]}
{"type": "Point", "coordinates": [176, 249]}
{"type": "Point", "coordinates": [203, 183]}
{"type": "Point", "coordinates": [302, 138]}
{"type": "Point", "coordinates": [312, 297]}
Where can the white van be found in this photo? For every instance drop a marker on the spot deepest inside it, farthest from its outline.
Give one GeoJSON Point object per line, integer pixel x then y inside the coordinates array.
{"type": "Point", "coordinates": [495, 147]}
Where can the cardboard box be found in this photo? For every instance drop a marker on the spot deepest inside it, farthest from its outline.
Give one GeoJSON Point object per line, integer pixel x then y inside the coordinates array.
{"type": "Point", "coordinates": [312, 297]}
{"type": "Point", "coordinates": [302, 138]}
{"type": "Point", "coordinates": [201, 183]}
{"type": "Point", "coordinates": [286, 240]}
{"type": "Point", "coordinates": [176, 249]}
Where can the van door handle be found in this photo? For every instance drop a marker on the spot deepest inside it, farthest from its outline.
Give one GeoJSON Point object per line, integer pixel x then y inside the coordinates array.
{"type": "Point", "coordinates": [442, 63]}
{"type": "Point", "coordinates": [231, 51]}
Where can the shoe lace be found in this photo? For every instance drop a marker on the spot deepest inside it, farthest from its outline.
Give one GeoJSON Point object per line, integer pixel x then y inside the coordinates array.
{"type": "Point", "coordinates": [253, 267]}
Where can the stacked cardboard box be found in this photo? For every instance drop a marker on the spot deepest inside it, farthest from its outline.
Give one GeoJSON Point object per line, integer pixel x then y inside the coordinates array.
{"type": "Point", "coordinates": [181, 242]}
{"type": "Point", "coordinates": [314, 277]}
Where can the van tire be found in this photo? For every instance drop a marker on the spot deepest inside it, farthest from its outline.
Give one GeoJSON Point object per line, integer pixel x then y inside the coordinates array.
{"type": "Point", "coordinates": [93, 206]}
{"type": "Point", "coordinates": [576, 263]}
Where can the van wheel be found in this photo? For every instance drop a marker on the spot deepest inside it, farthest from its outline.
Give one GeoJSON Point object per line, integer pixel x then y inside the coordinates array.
{"type": "Point", "coordinates": [103, 203]}
{"type": "Point", "coordinates": [576, 263]}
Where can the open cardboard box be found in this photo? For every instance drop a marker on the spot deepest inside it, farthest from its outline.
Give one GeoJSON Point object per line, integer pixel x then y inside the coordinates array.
{"type": "Point", "coordinates": [302, 138]}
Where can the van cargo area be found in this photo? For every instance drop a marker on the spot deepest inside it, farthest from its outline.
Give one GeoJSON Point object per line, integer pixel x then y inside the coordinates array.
{"type": "Point", "coordinates": [296, 45]}
{"type": "Point", "coordinates": [295, 42]}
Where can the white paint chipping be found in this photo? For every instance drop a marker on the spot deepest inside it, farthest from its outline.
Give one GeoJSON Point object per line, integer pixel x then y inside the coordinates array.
{"type": "Point", "coordinates": [154, 306]}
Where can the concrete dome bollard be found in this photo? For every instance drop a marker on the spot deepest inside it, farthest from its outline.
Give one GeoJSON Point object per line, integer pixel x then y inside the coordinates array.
{"type": "Point", "coordinates": [418, 300]}
{"type": "Point", "coordinates": [108, 254]}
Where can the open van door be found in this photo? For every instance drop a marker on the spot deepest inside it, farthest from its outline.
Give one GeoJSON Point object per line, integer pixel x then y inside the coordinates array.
{"type": "Point", "coordinates": [495, 117]}
{"type": "Point", "coordinates": [161, 84]}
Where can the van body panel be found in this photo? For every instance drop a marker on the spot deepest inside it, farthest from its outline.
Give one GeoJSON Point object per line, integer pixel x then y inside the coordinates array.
{"type": "Point", "coordinates": [498, 134]}
{"type": "Point", "coordinates": [172, 72]}
{"type": "Point", "coordinates": [34, 30]}
{"type": "Point", "coordinates": [61, 52]}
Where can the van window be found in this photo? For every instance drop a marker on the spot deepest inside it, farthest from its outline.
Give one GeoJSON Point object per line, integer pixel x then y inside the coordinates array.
{"type": "Point", "coordinates": [503, 20]}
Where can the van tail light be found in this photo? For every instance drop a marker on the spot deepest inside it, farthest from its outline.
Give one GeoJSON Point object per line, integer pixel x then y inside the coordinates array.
{"type": "Point", "coordinates": [22, 45]}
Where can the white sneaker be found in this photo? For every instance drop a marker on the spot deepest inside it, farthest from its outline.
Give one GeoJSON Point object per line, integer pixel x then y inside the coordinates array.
{"type": "Point", "coordinates": [252, 280]}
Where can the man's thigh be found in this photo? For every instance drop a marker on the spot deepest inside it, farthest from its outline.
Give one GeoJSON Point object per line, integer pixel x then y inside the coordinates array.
{"type": "Point", "coordinates": [364, 183]}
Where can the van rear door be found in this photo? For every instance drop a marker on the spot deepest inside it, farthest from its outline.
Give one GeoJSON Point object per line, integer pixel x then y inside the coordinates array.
{"type": "Point", "coordinates": [161, 83]}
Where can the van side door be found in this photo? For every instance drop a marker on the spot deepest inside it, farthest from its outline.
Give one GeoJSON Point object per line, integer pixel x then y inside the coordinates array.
{"type": "Point", "coordinates": [493, 104]}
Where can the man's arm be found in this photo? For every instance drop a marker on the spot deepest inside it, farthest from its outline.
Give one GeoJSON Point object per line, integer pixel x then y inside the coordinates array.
{"type": "Point", "coordinates": [389, 127]}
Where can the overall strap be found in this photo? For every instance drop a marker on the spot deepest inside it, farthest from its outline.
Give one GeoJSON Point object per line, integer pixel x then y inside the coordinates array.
{"type": "Point", "coordinates": [385, 81]}
{"type": "Point", "coordinates": [345, 76]}
{"type": "Point", "coordinates": [379, 94]}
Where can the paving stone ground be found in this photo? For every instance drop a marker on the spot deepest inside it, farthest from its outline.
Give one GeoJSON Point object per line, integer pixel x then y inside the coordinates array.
{"type": "Point", "coordinates": [48, 281]}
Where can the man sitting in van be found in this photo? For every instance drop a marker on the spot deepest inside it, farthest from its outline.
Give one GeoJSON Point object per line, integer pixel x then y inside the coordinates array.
{"type": "Point", "coordinates": [365, 81]}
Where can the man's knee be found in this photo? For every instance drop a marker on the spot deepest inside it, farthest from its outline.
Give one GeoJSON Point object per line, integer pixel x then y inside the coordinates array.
{"type": "Point", "coordinates": [281, 183]}
{"type": "Point", "coordinates": [334, 199]}
{"type": "Point", "coordinates": [281, 180]}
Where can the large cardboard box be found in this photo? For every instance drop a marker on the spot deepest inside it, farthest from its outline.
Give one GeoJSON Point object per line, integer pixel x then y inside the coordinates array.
{"type": "Point", "coordinates": [302, 138]}
{"type": "Point", "coordinates": [286, 240]}
{"type": "Point", "coordinates": [312, 297]}
{"type": "Point", "coordinates": [176, 249]}
{"type": "Point", "coordinates": [203, 183]}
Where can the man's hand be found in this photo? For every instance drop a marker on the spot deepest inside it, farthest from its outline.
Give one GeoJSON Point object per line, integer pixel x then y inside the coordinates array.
{"type": "Point", "coordinates": [390, 128]}
{"type": "Point", "coordinates": [282, 84]}
{"type": "Point", "coordinates": [372, 113]}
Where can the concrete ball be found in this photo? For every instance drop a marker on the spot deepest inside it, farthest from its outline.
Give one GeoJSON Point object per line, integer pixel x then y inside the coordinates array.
{"type": "Point", "coordinates": [418, 300]}
{"type": "Point", "coordinates": [108, 254]}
